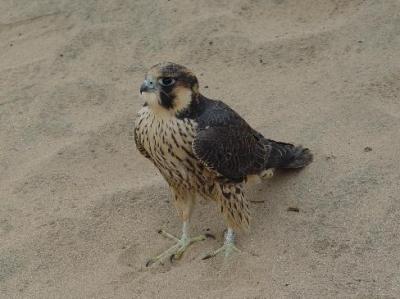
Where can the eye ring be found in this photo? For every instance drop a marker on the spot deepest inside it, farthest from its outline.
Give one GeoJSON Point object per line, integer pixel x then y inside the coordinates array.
{"type": "Point", "coordinates": [166, 81]}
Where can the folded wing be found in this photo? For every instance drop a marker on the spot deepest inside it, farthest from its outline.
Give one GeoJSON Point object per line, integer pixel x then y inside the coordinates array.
{"type": "Point", "coordinates": [232, 151]}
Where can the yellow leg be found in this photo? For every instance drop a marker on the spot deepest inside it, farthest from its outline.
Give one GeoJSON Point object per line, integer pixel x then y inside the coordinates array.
{"type": "Point", "coordinates": [227, 249]}
{"type": "Point", "coordinates": [184, 204]}
{"type": "Point", "coordinates": [176, 251]}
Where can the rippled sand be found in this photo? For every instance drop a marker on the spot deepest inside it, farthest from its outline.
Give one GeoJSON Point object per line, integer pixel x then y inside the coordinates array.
{"type": "Point", "coordinates": [79, 206]}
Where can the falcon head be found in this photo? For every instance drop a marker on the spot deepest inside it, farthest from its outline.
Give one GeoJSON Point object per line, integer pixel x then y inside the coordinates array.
{"type": "Point", "coordinates": [170, 86]}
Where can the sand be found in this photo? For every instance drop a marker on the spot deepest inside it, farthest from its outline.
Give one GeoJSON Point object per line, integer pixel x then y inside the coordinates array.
{"type": "Point", "coordinates": [80, 207]}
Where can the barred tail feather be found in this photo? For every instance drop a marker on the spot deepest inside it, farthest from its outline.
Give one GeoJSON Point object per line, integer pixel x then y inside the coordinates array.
{"type": "Point", "coordinates": [300, 157]}
{"type": "Point", "coordinates": [286, 155]}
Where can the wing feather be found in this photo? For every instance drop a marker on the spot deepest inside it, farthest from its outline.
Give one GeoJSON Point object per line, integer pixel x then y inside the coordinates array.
{"type": "Point", "coordinates": [232, 151]}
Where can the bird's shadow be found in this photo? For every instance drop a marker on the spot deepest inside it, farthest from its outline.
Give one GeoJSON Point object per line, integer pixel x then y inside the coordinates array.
{"type": "Point", "coordinates": [280, 182]}
{"type": "Point", "coordinates": [273, 195]}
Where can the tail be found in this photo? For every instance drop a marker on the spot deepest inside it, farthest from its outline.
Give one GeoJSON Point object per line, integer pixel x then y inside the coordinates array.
{"type": "Point", "coordinates": [286, 155]}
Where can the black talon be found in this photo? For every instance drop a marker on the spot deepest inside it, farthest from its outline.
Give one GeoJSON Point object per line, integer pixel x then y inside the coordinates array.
{"type": "Point", "coordinates": [149, 263]}
{"type": "Point", "coordinates": [207, 257]}
{"type": "Point", "coordinates": [171, 258]}
{"type": "Point", "coordinates": [210, 236]}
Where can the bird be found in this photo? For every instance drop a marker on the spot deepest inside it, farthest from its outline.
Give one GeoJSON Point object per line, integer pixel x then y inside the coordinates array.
{"type": "Point", "coordinates": [202, 147]}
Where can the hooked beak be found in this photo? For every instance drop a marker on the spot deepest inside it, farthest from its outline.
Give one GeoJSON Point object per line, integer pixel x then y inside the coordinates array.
{"type": "Point", "coordinates": [147, 86]}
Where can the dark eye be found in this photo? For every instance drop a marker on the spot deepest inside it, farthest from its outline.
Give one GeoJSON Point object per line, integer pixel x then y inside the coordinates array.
{"type": "Point", "coordinates": [166, 81]}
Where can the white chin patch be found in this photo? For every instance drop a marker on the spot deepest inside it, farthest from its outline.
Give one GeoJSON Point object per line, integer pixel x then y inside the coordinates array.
{"type": "Point", "coordinates": [150, 98]}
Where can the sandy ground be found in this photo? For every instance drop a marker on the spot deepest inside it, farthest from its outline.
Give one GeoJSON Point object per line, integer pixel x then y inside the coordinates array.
{"type": "Point", "coordinates": [79, 206]}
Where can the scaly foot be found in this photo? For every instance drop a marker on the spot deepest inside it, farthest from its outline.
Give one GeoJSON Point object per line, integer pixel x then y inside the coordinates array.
{"type": "Point", "coordinates": [227, 249]}
{"type": "Point", "coordinates": [176, 251]}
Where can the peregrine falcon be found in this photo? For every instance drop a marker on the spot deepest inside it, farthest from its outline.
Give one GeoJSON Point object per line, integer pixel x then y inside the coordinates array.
{"type": "Point", "coordinates": [203, 147]}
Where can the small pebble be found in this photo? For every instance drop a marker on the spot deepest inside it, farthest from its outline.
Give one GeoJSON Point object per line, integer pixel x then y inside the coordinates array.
{"type": "Point", "coordinates": [330, 157]}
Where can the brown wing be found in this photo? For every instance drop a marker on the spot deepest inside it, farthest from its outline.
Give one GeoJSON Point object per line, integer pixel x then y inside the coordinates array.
{"type": "Point", "coordinates": [233, 151]}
